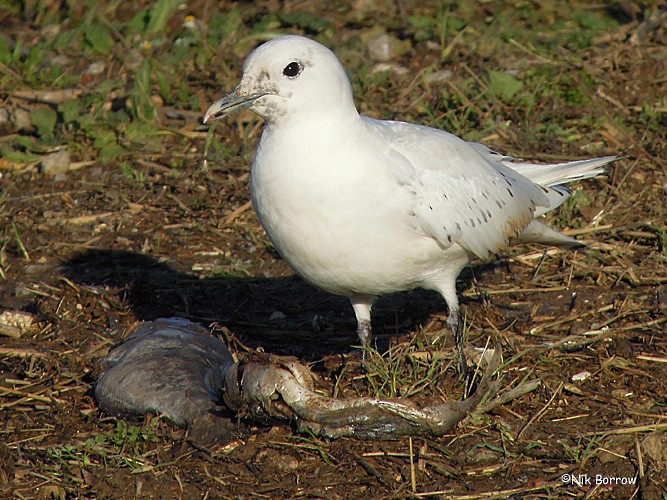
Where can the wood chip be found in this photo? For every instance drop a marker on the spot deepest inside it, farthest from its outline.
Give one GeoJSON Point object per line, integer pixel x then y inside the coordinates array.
{"type": "Point", "coordinates": [15, 323]}
{"type": "Point", "coordinates": [87, 219]}
{"type": "Point", "coordinates": [50, 96]}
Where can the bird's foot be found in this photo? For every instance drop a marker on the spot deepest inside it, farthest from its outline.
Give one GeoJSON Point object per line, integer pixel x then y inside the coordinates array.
{"type": "Point", "coordinates": [455, 323]}
{"type": "Point", "coordinates": [364, 332]}
{"type": "Point", "coordinates": [365, 335]}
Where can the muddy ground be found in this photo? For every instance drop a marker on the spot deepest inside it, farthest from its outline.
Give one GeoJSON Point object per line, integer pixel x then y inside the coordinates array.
{"type": "Point", "coordinates": [88, 252]}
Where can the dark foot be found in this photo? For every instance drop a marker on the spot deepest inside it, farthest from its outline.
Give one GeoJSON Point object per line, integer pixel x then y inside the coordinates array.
{"type": "Point", "coordinates": [364, 332]}
{"type": "Point", "coordinates": [365, 335]}
{"type": "Point", "coordinates": [455, 323]}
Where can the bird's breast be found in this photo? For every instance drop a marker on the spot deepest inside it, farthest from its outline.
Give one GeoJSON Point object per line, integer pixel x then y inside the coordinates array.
{"type": "Point", "coordinates": [336, 215]}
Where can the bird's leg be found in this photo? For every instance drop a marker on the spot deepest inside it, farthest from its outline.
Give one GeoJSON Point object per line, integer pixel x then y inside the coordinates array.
{"type": "Point", "coordinates": [447, 289]}
{"type": "Point", "coordinates": [362, 309]}
{"type": "Point", "coordinates": [456, 324]}
{"type": "Point", "coordinates": [365, 333]}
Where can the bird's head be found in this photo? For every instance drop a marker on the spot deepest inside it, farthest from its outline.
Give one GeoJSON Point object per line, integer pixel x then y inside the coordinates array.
{"type": "Point", "coordinates": [289, 76]}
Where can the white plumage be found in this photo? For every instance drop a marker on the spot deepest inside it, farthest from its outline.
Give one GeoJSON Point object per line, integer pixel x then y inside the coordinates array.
{"type": "Point", "coordinates": [362, 207]}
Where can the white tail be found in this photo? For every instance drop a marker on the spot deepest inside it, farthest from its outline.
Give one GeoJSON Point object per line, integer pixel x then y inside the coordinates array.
{"type": "Point", "coordinates": [561, 173]}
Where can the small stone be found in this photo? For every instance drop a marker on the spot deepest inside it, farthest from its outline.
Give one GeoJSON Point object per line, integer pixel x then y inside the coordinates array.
{"type": "Point", "coordinates": [655, 451]}
{"type": "Point", "coordinates": [56, 163]}
{"type": "Point", "coordinates": [21, 291]}
{"type": "Point", "coordinates": [5, 117]}
{"type": "Point", "coordinates": [277, 315]}
{"type": "Point", "coordinates": [580, 377]}
{"type": "Point", "coordinates": [61, 60]}
{"type": "Point", "coordinates": [438, 76]}
{"type": "Point", "coordinates": [397, 69]}
{"type": "Point", "coordinates": [96, 68]}
{"type": "Point", "coordinates": [22, 121]}
{"type": "Point", "coordinates": [385, 47]}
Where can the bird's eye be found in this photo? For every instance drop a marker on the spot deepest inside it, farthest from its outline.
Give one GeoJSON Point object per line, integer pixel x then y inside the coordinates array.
{"type": "Point", "coordinates": [292, 69]}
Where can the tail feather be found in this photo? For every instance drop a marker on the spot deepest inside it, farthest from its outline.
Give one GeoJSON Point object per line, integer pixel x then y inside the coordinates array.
{"type": "Point", "coordinates": [560, 173]}
{"type": "Point", "coordinates": [538, 232]}
{"type": "Point", "coordinates": [551, 179]}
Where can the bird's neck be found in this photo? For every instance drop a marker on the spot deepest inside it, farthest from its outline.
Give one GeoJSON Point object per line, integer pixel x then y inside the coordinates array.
{"type": "Point", "coordinates": [313, 125]}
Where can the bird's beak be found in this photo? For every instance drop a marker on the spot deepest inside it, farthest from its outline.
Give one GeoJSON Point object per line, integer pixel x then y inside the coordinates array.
{"type": "Point", "coordinates": [230, 104]}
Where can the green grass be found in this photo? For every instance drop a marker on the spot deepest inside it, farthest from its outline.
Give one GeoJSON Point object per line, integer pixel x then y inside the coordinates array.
{"type": "Point", "coordinates": [123, 445]}
{"type": "Point", "coordinates": [11, 246]}
{"type": "Point", "coordinates": [580, 450]}
{"type": "Point", "coordinates": [149, 53]}
{"type": "Point", "coordinates": [407, 369]}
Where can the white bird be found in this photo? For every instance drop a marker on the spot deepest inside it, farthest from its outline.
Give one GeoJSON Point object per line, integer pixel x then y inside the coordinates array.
{"type": "Point", "coordinates": [362, 207]}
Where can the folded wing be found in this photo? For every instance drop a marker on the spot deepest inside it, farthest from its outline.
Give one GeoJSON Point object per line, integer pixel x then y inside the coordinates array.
{"type": "Point", "coordinates": [460, 196]}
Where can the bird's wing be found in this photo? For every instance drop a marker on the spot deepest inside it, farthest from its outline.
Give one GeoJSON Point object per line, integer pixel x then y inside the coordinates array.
{"type": "Point", "coordinates": [460, 196]}
{"type": "Point", "coordinates": [550, 176]}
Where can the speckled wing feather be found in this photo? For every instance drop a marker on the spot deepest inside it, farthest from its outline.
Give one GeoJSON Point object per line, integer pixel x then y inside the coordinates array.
{"type": "Point", "coordinates": [460, 196]}
{"type": "Point", "coordinates": [550, 176]}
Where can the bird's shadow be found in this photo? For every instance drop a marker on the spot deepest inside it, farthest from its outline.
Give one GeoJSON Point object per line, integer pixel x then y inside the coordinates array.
{"type": "Point", "coordinates": [282, 315]}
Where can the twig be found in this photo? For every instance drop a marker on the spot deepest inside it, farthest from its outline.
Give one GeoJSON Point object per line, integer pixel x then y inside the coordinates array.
{"type": "Point", "coordinates": [640, 458]}
{"type": "Point", "coordinates": [492, 494]}
{"type": "Point", "coordinates": [48, 96]}
{"type": "Point", "coordinates": [413, 477]}
{"type": "Point", "coordinates": [238, 212]}
{"type": "Point", "coordinates": [628, 430]}
{"type": "Point", "coordinates": [533, 53]}
{"type": "Point", "coordinates": [571, 318]}
{"type": "Point", "coordinates": [21, 353]}
{"type": "Point", "coordinates": [36, 397]}
{"type": "Point", "coordinates": [516, 290]}
{"type": "Point", "coordinates": [587, 230]}
{"type": "Point", "coordinates": [506, 397]}
{"type": "Point", "coordinates": [572, 417]}
{"type": "Point", "coordinates": [10, 331]}
{"type": "Point", "coordinates": [652, 358]}
{"type": "Point", "coordinates": [544, 409]}
{"type": "Point", "coordinates": [87, 219]}
{"type": "Point", "coordinates": [578, 341]}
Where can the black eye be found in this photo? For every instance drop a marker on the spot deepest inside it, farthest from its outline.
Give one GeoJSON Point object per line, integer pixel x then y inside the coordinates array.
{"type": "Point", "coordinates": [292, 69]}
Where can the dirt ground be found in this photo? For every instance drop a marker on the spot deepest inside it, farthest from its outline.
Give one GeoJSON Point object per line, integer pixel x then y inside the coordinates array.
{"type": "Point", "coordinates": [90, 251]}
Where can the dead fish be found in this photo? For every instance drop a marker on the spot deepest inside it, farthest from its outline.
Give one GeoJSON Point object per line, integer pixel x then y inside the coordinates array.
{"type": "Point", "coordinates": [174, 368]}
{"type": "Point", "coordinates": [279, 387]}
